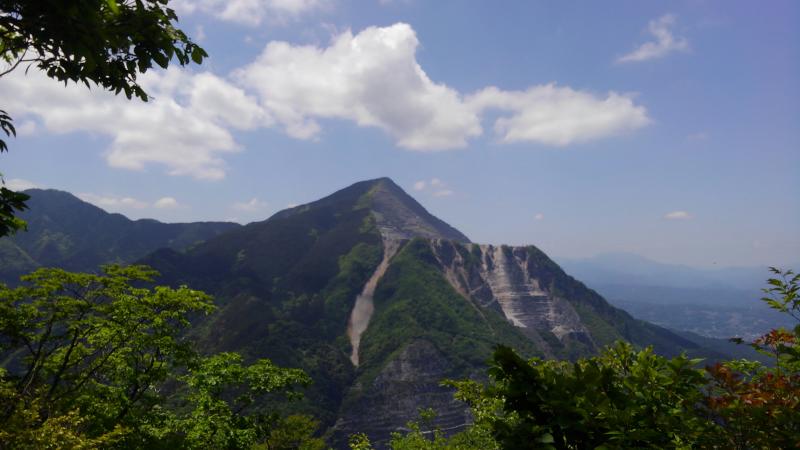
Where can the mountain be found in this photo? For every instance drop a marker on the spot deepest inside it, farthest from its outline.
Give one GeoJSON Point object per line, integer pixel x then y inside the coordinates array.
{"type": "Point", "coordinates": [379, 301]}
{"type": "Point", "coordinates": [64, 231]}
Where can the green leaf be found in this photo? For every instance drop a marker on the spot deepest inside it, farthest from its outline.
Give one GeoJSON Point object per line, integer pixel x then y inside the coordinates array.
{"type": "Point", "coordinates": [113, 6]}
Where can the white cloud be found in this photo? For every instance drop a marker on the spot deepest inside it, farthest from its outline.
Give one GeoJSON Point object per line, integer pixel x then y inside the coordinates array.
{"type": "Point", "coordinates": [166, 203]}
{"type": "Point", "coordinates": [677, 215]}
{"type": "Point", "coordinates": [19, 184]}
{"type": "Point", "coordinates": [443, 193]}
{"type": "Point", "coordinates": [26, 128]}
{"type": "Point", "coordinates": [250, 12]}
{"type": "Point", "coordinates": [371, 78]}
{"type": "Point", "coordinates": [538, 216]}
{"type": "Point", "coordinates": [251, 206]}
{"type": "Point", "coordinates": [126, 204]}
{"type": "Point", "coordinates": [559, 116]}
{"type": "Point", "coordinates": [199, 34]}
{"type": "Point", "coordinates": [434, 187]}
{"type": "Point", "coordinates": [185, 127]}
{"type": "Point", "coordinates": [664, 44]}
{"type": "Point", "coordinates": [113, 203]}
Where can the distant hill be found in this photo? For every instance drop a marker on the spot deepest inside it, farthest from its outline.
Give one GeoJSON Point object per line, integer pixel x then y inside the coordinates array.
{"type": "Point", "coordinates": [629, 269]}
{"type": "Point", "coordinates": [717, 303]}
{"type": "Point", "coordinates": [64, 231]}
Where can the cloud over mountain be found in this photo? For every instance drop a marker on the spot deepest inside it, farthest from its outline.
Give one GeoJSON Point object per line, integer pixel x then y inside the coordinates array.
{"type": "Point", "coordinates": [186, 127]}
{"type": "Point", "coordinates": [373, 79]}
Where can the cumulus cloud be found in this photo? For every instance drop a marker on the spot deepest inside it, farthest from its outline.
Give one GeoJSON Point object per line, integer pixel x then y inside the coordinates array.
{"type": "Point", "coordinates": [443, 193]}
{"type": "Point", "coordinates": [186, 127]}
{"type": "Point", "coordinates": [250, 206]}
{"type": "Point", "coordinates": [26, 128]}
{"type": "Point", "coordinates": [559, 116]}
{"type": "Point", "coordinates": [434, 187]}
{"type": "Point", "coordinates": [113, 203]}
{"type": "Point", "coordinates": [19, 184]}
{"type": "Point", "coordinates": [166, 203]}
{"type": "Point", "coordinates": [249, 12]}
{"type": "Point", "coordinates": [677, 215]}
{"type": "Point", "coordinates": [128, 205]}
{"type": "Point", "coordinates": [373, 79]}
{"type": "Point", "coordinates": [665, 42]}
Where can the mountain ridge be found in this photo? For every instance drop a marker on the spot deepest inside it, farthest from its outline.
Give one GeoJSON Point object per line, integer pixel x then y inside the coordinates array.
{"type": "Point", "coordinates": [67, 232]}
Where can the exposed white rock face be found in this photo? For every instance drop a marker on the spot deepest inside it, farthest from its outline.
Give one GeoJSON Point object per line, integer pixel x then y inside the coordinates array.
{"type": "Point", "coordinates": [504, 278]}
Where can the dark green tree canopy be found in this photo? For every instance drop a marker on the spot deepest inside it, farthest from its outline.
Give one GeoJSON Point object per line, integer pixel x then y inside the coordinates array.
{"type": "Point", "coordinates": [105, 42]}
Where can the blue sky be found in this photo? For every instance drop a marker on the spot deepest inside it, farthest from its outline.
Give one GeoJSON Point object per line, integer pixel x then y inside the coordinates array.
{"type": "Point", "coordinates": [666, 129]}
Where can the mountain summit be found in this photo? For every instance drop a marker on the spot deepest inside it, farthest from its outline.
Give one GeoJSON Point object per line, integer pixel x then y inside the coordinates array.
{"type": "Point", "coordinates": [397, 214]}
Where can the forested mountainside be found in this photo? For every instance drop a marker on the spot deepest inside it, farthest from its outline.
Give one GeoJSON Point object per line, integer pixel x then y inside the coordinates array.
{"type": "Point", "coordinates": [432, 305]}
{"type": "Point", "coordinates": [66, 232]}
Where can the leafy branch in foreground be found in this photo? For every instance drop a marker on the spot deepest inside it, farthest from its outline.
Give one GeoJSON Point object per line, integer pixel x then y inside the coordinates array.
{"type": "Point", "coordinates": [95, 361]}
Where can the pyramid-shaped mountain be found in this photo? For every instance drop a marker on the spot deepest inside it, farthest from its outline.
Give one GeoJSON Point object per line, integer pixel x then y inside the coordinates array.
{"type": "Point", "coordinates": [379, 300]}
{"type": "Point", "coordinates": [397, 215]}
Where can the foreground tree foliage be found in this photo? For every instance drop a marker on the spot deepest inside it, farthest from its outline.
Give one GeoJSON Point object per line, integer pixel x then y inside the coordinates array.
{"type": "Point", "coordinates": [628, 398]}
{"type": "Point", "coordinates": [92, 361]}
{"type": "Point", "coordinates": [102, 42]}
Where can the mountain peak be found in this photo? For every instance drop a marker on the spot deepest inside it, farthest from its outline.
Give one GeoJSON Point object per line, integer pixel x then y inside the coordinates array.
{"type": "Point", "coordinates": [400, 216]}
{"type": "Point", "coordinates": [397, 214]}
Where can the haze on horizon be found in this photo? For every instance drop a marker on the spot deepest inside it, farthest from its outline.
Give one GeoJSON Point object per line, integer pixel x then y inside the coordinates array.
{"type": "Point", "coordinates": [668, 130]}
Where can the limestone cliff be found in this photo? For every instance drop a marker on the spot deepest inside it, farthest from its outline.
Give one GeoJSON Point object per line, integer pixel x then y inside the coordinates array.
{"type": "Point", "coordinates": [507, 279]}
